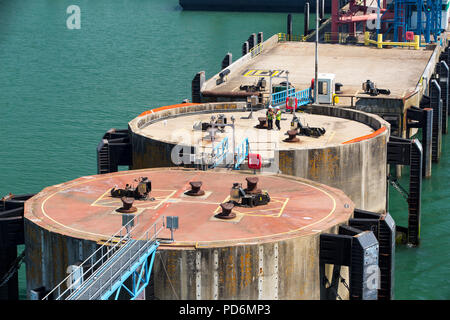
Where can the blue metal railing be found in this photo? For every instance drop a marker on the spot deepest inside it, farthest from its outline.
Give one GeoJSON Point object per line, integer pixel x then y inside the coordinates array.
{"type": "Point", "coordinates": [303, 96]}
{"type": "Point", "coordinates": [242, 151]}
{"type": "Point", "coordinates": [111, 264]}
{"type": "Point", "coordinates": [219, 152]}
{"type": "Point", "coordinates": [280, 97]}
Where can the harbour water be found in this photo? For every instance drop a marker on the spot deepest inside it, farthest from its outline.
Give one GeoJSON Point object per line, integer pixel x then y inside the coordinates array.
{"type": "Point", "coordinates": [61, 89]}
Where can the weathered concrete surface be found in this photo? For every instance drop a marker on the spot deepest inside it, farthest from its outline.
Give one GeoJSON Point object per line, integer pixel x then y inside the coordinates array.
{"type": "Point", "coordinates": [359, 168]}
{"type": "Point", "coordinates": [396, 69]}
{"type": "Point", "coordinates": [49, 253]}
{"type": "Point", "coordinates": [281, 270]}
{"type": "Point", "coordinates": [154, 153]}
{"type": "Point", "coordinates": [180, 131]}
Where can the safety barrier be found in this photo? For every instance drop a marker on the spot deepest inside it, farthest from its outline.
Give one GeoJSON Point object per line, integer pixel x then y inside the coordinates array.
{"type": "Point", "coordinates": [219, 152]}
{"type": "Point", "coordinates": [283, 37]}
{"type": "Point", "coordinates": [379, 42]}
{"type": "Point", "coordinates": [242, 151]}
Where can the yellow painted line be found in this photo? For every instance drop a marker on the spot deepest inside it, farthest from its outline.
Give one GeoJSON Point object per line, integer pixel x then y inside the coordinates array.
{"type": "Point", "coordinates": [163, 201]}
{"type": "Point", "coordinates": [275, 73]}
{"type": "Point", "coordinates": [67, 187]}
{"type": "Point", "coordinates": [94, 203]}
{"type": "Point", "coordinates": [248, 72]}
{"type": "Point", "coordinates": [187, 241]}
{"type": "Point", "coordinates": [330, 137]}
{"type": "Point", "coordinates": [276, 234]}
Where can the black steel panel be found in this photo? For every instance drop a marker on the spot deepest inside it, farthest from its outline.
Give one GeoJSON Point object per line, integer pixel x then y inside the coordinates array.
{"type": "Point", "coordinates": [364, 267]}
{"type": "Point", "coordinates": [335, 249]}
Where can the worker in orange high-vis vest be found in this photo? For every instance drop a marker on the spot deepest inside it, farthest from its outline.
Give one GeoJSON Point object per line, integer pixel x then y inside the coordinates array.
{"type": "Point", "coordinates": [278, 118]}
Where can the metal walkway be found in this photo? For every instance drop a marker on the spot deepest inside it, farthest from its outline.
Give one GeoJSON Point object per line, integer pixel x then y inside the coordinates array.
{"type": "Point", "coordinates": [124, 262]}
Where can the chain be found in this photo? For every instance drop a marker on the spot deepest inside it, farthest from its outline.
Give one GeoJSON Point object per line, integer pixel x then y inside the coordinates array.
{"type": "Point", "coordinates": [332, 287]}
{"type": "Point", "coordinates": [344, 283]}
{"type": "Point", "coordinates": [398, 187]}
{"type": "Point", "coordinates": [13, 269]}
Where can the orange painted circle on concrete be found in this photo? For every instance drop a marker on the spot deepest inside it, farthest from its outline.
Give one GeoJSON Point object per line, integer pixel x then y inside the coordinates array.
{"type": "Point", "coordinates": [83, 208]}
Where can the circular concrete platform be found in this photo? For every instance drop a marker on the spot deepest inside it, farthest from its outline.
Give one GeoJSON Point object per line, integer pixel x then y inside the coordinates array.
{"type": "Point", "coordinates": [180, 130]}
{"type": "Point", "coordinates": [84, 209]}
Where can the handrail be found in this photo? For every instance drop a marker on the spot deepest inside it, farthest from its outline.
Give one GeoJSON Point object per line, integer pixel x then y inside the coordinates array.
{"type": "Point", "coordinates": [256, 50]}
{"type": "Point", "coordinates": [242, 151]}
{"type": "Point", "coordinates": [303, 96]}
{"type": "Point", "coordinates": [219, 152]}
{"type": "Point", "coordinates": [123, 264]}
{"type": "Point", "coordinates": [293, 37]}
{"type": "Point", "coordinates": [281, 96]}
{"type": "Point", "coordinates": [112, 246]}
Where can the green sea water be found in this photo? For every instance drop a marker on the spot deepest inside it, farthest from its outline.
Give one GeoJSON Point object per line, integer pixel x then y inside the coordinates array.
{"type": "Point", "coordinates": [61, 89]}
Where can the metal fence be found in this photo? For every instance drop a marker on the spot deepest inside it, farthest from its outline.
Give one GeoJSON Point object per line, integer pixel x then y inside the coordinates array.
{"type": "Point", "coordinates": [303, 96]}
{"type": "Point", "coordinates": [283, 37]}
{"type": "Point", "coordinates": [256, 50]}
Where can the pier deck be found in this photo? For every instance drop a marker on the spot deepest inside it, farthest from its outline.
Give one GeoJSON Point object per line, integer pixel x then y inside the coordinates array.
{"type": "Point", "coordinates": [396, 69]}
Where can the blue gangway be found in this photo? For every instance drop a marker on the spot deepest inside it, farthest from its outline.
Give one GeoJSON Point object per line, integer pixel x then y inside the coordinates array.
{"type": "Point", "coordinates": [122, 264]}
{"type": "Point", "coordinates": [219, 153]}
